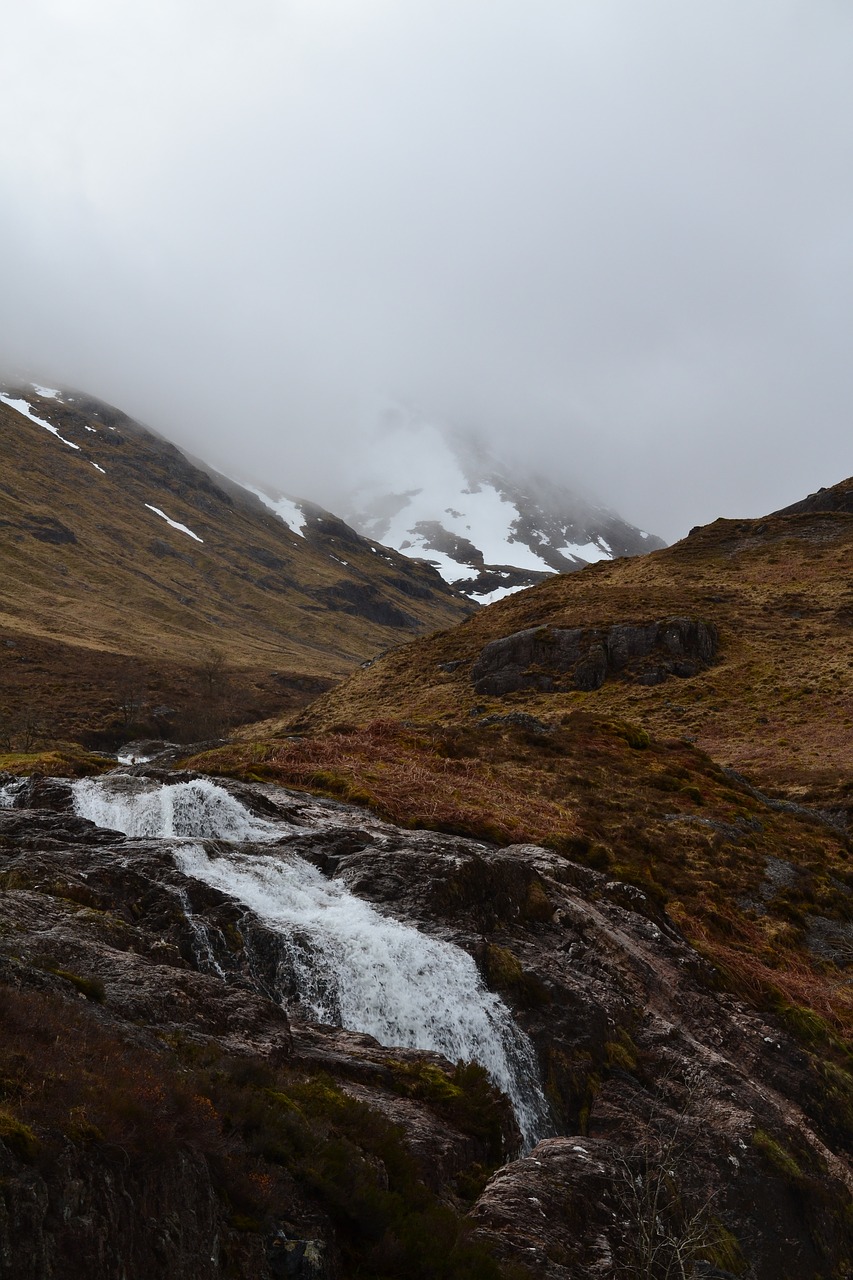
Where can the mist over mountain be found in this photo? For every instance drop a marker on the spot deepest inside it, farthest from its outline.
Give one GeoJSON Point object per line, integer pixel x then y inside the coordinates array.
{"type": "Point", "coordinates": [619, 233]}
{"type": "Point", "coordinates": [491, 524]}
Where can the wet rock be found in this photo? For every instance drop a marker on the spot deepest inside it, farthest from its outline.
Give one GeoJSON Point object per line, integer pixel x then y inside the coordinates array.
{"type": "Point", "coordinates": [634, 1040]}
{"type": "Point", "coordinates": [297, 1259]}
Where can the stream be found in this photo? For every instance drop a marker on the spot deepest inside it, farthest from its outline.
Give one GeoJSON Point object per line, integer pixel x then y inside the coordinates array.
{"type": "Point", "coordinates": [353, 965]}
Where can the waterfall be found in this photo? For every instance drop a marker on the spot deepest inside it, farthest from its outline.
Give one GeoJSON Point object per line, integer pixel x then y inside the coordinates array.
{"type": "Point", "coordinates": [8, 792]}
{"type": "Point", "coordinates": [123, 802]}
{"type": "Point", "coordinates": [205, 956]}
{"type": "Point", "coordinates": [352, 966]}
{"type": "Point", "coordinates": [367, 972]}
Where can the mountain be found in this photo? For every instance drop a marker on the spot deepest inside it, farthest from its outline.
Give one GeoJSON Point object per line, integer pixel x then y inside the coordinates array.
{"type": "Point", "coordinates": [772, 699]}
{"type": "Point", "coordinates": [134, 581]}
{"type": "Point", "coordinates": [666, 740]}
{"type": "Point", "coordinates": [524, 951]}
{"type": "Point", "coordinates": [488, 527]}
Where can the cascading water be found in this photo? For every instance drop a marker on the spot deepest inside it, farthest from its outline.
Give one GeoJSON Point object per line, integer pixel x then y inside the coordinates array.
{"type": "Point", "coordinates": [123, 802]}
{"type": "Point", "coordinates": [352, 966]}
{"type": "Point", "coordinates": [359, 969]}
{"type": "Point", "coordinates": [8, 794]}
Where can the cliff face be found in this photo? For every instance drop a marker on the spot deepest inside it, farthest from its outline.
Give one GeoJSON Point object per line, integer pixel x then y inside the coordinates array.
{"type": "Point", "coordinates": [163, 1115]}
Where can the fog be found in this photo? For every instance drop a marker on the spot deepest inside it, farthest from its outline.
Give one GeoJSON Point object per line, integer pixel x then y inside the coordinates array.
{"type": "Point", "coordinates": [614, 239]}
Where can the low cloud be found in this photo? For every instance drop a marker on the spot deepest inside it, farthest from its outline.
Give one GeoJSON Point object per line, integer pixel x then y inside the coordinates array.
{"type": "Point", "coordinates": [613, 238]}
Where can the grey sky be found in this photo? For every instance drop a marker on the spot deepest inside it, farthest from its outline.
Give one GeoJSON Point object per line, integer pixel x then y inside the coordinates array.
{"type": "Point", "coordinates": [614, 236]}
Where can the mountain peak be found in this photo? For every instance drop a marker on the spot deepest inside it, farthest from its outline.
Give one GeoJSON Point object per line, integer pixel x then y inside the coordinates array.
{"type": "Point", "coordinates": [489, 527]}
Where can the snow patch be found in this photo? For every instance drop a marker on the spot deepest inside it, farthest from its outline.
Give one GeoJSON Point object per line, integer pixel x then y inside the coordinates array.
{"type": "Point", "coordinates": [499, 593]}
{"type": "Point", "coordinates": [451, 570]}
{"type": "Point", "coordinates": [182, 528]}
{"type": "Point", "coordinates": [47, 393]}
{"type": "Point", "coordinates": [285, 508]}
{"type": "Point", "coordinates": [591, 552]}
{"type": "Point", "coordinates": [22, 407]}
{"type": "Point", "coordinates": [97, 468]}
{"type": "Point", "coordinates": [487, 523]}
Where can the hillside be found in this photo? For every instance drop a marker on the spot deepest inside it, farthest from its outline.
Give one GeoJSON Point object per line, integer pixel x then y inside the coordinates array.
{"type": "Point", "coordinates": [679, 722]}
{"type": "Point", "coordinates": [534, 982]}
{"type": "Point", "coordinates": [137, 589]}
{"type": "Point", "coordinates": [775, 700]}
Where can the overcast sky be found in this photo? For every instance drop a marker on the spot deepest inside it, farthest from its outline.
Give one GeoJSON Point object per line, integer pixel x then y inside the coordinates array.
{"type": "Point", "coordinates": [615, 235]}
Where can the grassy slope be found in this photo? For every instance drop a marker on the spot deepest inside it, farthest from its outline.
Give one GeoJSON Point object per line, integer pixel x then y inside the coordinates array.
{"type": "Point", "coordinates": [631, 779]}
{"type": "Point", "coordinates": [90, 576]}
{"type": "Point", "coordinates": [777, 704]}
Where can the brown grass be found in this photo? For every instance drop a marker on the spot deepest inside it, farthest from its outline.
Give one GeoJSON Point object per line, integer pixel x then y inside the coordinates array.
{"type": "Point", "coordinates": [662, 816]}
{"type": "Point", "coordinates": [113, 584]}
{"type": "Point", "coordinates": [403, 777]}
{"type": "Point", "coordinates": [778, 703]}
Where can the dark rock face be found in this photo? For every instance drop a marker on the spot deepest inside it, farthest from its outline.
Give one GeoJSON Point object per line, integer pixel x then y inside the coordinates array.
{"type": "Point", "coordinates": [659, 1083]}
{"type": "Point", "coordinates": [364, 601]}
{"type": "Point", "coordinates": [551, 659]}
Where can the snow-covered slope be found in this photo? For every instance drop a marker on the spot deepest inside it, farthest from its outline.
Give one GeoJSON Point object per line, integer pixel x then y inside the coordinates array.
{"type": "Point", "coordinates": [489, 529]}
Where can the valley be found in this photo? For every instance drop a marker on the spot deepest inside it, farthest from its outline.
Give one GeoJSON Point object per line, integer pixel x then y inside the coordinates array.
{"type": "Point", "coordinates": [409, 938]}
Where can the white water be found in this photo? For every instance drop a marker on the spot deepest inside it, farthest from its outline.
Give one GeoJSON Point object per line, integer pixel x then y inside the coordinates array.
{"type": "Point", "coordinates": [133, 805]}
{"type": "Point", "coordinates": [364, 971]}
{"type": "Point", "coordinates": [8, 793]}
{"type": "Point", "coordinates": [353, 966]}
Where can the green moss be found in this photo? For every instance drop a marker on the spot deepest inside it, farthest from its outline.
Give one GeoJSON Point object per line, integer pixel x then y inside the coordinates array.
{"type": "Point", "coordinates": [621, 1052]}
{"type": "Point", "coordinates": [778, 1156]}
{"type": "Point", "coordinates": [244, 1222]}
{"type": "Point", "coordinates": [66, 760]}
{"type": "Point", "coordinates": [504, 973]}
{"type": "Point", "coordinates": [339, 785]}
{"type": "Point", "coordinates": [91, 988]}
{"type": "Point", "coordinates": [832, 1097]}
{"type": "Point", "coordinates": [724, 1250]}
{"type": "Point", "coordinates": [233, 936]}
{"type": "Point", "coordinates": [636, 738]}
{"type": "Point", "coordinates": [664, 782]}
{"type": "Point", "coordinates": [538, 905]}
{"type": "Point", "coordinates": [18, 1137]}
{"type": "Point", "coordinates": [467, 1098]}
{"type": "Point", "coordinates": [809, 1027]}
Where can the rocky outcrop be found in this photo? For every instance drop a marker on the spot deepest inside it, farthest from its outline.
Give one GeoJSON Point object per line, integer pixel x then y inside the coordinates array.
{"type": "Point", "coordinates": [837, 498]}
{"type": "Point", "coordinates": [681, 1118]}
{"type": "Point", "coordinates": [556, 659]}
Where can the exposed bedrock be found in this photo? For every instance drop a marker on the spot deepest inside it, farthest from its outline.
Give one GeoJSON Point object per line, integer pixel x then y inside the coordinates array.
{"type": "Point", "coordinates": [556, 659]}
{"type": "Point", "coordinates": [676, 1108]}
